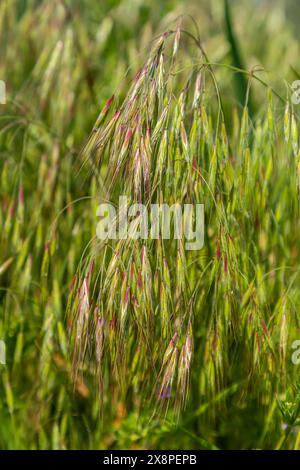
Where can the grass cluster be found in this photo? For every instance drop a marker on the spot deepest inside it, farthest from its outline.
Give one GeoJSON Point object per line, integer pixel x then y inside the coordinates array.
{"type": "Point", "coordinates": [140, 343]}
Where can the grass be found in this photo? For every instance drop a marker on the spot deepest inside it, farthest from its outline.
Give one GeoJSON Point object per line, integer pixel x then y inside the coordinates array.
{"type": "Point", "coordinates": [139, 343]}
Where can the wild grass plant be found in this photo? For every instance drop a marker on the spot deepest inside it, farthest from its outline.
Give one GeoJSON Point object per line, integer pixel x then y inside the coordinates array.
{"type": "Point", "coordinates": [140, 343]}
{"type": "Point", "coordinates": [136, 304]}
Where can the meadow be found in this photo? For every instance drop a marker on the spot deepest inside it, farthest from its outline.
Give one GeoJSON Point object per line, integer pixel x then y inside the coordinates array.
{"type": "Point", "coordinates": [141, 344]}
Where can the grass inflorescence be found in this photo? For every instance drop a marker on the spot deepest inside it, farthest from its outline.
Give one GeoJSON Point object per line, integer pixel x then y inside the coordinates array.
{"type": "Point", "coordinates": [153, 317]}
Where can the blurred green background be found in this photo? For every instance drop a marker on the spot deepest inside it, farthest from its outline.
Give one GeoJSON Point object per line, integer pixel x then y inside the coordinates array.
{"type": "Point", "coordinates": [61, 61]}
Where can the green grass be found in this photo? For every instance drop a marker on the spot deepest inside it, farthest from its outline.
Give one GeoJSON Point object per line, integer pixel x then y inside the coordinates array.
{"type": "Point", "coordinates": [141, 344]}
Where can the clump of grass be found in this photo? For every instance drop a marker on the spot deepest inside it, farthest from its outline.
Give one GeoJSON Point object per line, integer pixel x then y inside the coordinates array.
{"type": "Point", "coordinates": [149, 318]}
{"type": "Point", "coordinates": [237, 299]}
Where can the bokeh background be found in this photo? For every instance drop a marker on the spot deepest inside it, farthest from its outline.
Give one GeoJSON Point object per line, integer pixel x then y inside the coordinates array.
{"type": "Point", "coordinates": [61, 61]}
